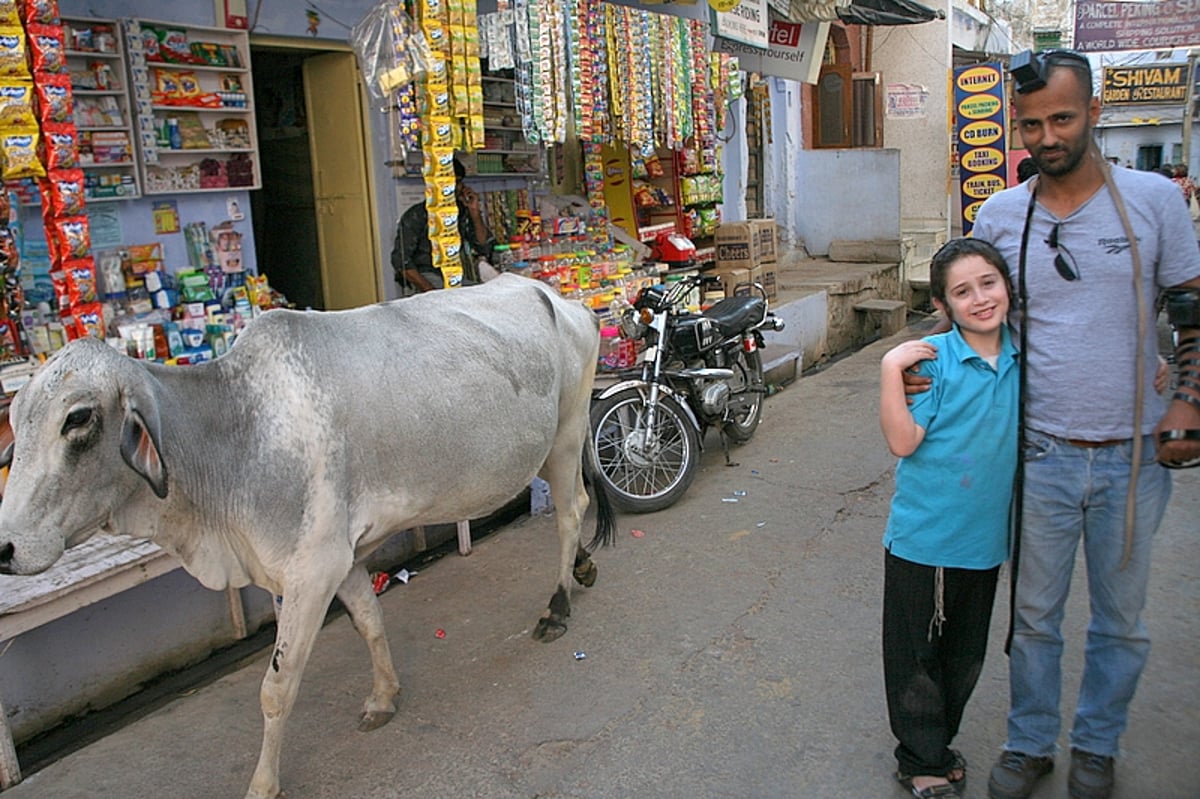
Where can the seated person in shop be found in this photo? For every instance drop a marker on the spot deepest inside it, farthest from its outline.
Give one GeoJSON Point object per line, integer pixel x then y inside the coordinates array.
{"type": "Point", "coordinates": [412, 253]}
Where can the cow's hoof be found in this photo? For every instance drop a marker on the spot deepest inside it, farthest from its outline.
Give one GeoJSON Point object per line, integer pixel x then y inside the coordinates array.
{"type": "Point", "coordinates": [375, 719]}
{"type": "Point", "coordinates": [585, 574]}
{"type": "Point", "coordinates": [548, 630]}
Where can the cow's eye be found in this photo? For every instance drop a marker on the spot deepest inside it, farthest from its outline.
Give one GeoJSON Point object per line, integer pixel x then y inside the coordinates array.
{"type": "Point", "coordinates": [76, 419]}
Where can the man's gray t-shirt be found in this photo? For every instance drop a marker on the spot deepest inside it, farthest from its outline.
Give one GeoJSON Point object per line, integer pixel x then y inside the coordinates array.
{"type": "Point", "coordinates": [1081, 352]}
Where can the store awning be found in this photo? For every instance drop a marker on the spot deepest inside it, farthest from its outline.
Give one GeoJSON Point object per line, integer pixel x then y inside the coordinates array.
{"type": "Point", "coordinates": [863, 12]}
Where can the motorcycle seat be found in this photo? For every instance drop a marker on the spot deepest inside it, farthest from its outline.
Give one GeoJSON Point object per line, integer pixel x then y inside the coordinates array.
{"type": "Point", "coordinates": [734, 314]}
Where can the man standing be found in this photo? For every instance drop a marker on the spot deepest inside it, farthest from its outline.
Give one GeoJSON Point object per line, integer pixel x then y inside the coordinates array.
{"type": "Point", "coordinates": [1089, 331]}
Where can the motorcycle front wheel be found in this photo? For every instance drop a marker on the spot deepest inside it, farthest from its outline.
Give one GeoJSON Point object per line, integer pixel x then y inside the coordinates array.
{"type": "Point", "coordinates": [643, 470]}
{"type": "Point", "coordinates": [748, 394]}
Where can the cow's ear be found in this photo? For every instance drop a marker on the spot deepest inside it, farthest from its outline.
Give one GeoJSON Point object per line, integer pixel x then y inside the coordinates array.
{"type": "Point", "coordinates": [140, 450]}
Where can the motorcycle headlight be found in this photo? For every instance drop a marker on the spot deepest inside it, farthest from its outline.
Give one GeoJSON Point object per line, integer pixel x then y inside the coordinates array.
{"type": "Point", "coordinates": [632, 325]}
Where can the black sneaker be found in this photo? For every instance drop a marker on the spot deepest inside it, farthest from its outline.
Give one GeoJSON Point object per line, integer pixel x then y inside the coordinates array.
{"type": "Point", "coordinates": [1016, 773]}
{"type": "Point", "coordinates": [1091, 776]}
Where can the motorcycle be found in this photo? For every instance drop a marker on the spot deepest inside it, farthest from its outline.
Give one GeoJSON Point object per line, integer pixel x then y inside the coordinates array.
{"type": "Point", "coordinates": [698, 370]}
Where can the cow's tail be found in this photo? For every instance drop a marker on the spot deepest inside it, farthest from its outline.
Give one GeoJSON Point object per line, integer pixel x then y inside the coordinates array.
{"type": "Point", "coordinates": [606, 517]}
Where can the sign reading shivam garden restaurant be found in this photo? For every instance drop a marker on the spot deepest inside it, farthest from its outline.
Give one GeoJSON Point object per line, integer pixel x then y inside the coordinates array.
{"type": "Point", "coordinates": [1160, 83]}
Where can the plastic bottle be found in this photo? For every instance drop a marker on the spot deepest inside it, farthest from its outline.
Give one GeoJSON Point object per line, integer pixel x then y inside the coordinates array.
{"type": "Point", "coordinates": [173, 134]}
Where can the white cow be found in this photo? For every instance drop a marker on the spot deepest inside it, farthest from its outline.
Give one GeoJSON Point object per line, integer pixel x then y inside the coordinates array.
{"type": "Point", "coordinates": [287, 461]}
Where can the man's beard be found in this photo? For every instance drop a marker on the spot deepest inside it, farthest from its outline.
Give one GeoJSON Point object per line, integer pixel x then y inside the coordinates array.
{"type": "Point", "coordinates": [1075, 155]}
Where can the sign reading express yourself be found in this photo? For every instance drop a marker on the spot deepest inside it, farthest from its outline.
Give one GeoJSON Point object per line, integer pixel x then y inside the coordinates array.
{"type": "Point", "coordinates": [980, 145]}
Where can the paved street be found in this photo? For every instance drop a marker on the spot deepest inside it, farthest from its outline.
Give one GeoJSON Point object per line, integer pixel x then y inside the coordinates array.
{"type": "Point", "coordinates": [732, 650]}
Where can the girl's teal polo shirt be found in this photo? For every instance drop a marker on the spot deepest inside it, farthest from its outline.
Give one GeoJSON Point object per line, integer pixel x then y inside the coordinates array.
{"type": "Point", "coordinates": [951, 506]}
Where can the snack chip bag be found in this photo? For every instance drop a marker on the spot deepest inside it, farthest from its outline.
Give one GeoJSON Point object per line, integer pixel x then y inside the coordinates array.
{"type": "Point", "coordinates": [9, 16]}
{"type": "Point", "coordinates": [166, 83]}
{"type": "Point", "coordinates": [81, 281]}
{"type": "Point", "coordinates": [150, 43]}
{"type": "Point", "coordinates": [39, 11]}
{"type": "Point", "coordinates": [63, 190]}
{"type": "Point", "coordinates": [189, 86]}
{"type": "Point", "coordinates": [72, 236]}
{"type": "Point", "coordinates": [54, 98]}
{"type": "Point", "coordinates": [173, 45]}
{"type": "Point", "coordinates": [47, 51]}
{"type": "Point", "coordinates": [12, 54]}
{"type": "Point", "coordinates": [59, 146]}
{"type": "Point", "coordinates": [88, 320]}
{"type": "Point", "coordinates": [19, 149]}
{"type": "Point", "coordinates": [439, 163]}
{"type": "Point", "coordinates": [16, 105]}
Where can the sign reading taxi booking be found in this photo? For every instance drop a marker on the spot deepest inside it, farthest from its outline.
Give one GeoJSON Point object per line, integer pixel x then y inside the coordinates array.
{"type": "Point", "coordinates": [980, 138]}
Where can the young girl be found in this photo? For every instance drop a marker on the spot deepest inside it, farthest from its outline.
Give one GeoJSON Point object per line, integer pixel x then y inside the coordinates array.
{"type": "Point", "coordinates": [947, 532]}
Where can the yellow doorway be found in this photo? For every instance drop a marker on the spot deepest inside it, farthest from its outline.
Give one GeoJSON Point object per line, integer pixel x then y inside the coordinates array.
{"type": "Point", "coordinates": [316, 224]}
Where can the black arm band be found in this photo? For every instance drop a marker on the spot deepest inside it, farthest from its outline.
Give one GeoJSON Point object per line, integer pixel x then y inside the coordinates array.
{"type": "Point", "coordinates": [1183, 307]}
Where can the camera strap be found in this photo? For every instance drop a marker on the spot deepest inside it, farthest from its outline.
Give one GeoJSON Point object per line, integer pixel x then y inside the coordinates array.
{"type": "Point", "coordinates": [1019, 478]}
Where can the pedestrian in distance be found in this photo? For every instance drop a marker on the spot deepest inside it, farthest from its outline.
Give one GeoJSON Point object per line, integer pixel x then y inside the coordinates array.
{"type": "Point", "coordinates": [1093, 249]}
{"type": "Point", "coordinates": [947, 532]}
{"type": "Point", "coordinates": [1026, 169]}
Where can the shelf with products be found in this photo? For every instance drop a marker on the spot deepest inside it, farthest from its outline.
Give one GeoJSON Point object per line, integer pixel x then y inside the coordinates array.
{"type": "Point", "coordinates": [194, 93]}
{"type": "Point", "coordinates": [102, 109]}
{"type": "Point", "coordinates": [655, 193]}
{"type": "Point", "coordinates": [505, 153]}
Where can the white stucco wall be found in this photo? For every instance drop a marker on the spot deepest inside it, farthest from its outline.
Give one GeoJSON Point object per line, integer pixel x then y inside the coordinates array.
{"type": "Point", "coordinates": [846, 194]}
{"type": "Point", "coordinates": [919, 56]}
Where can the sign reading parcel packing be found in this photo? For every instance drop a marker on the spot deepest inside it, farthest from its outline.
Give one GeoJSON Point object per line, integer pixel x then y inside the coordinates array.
{"type": "Point", "coordinates": [1164, 84]}
{"type": "Point", "coordinates": [794, 51]}
{"type": "Point", "coordinates": [1105, 26]}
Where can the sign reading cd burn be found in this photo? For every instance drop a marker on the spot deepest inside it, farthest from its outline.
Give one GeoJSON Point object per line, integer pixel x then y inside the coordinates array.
{"type": "Point", "coordinates": [980, 136]}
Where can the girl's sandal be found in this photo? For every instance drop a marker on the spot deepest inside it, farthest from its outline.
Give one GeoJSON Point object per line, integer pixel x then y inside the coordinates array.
{"type": "Point", "coordinates": [959, 764]}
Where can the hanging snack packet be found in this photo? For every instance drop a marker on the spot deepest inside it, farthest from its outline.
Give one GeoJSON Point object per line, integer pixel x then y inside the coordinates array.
{"type": "Point", "coordinates": [63, 190]}
{"type": "Point", "coordinates": [16, 105]}
{"type": "Point", "coordinates": [34, 12]}
{"type": "Point", "coordinates": [53, 98]}
{"type": "Point", "coordinates": [62, 294]}
{"type": "Point", "coordinates": [88, 320]}
{"type": "Point", "coordinates": [81, 281]}
{"type": "Point", "coordinates": [59, 146]}
{"type": "Point", "coordinates": [19, 153]}
{"type": "Point", "coordinates": [73, 236]}
{"type": "Point", "coordinates": [9, 16]}
{"type": "Point", "coordinates": [12, 53]}
{"type": "Point", "coordinates": [47, 51]}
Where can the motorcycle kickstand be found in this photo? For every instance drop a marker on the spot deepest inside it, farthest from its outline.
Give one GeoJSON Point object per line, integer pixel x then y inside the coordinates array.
{"type": "Point", "coordinates": [725, 448]}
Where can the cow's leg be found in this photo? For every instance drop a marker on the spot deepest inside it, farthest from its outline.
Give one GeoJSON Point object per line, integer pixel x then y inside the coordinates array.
{"type": "Point", "coordinates": [305, 602]}
{"type": "Point", "coordinates": [563, 470]}
{"type": "Point", "coordinates": [358, 596]}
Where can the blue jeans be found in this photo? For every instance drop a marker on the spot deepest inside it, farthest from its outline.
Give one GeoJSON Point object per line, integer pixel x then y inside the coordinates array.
{"type": "Point", "coordinates": [1073, 492]}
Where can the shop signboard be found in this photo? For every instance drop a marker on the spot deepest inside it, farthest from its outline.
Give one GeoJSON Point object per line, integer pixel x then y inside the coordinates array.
{"type": "Point", "coordinates": [747, 23]}
{"type": "Point", "coordinates": [1105, 26]}
{"type": "Point", "coordinates": [794, 51]}
{"type": "Point", "coordinates": [1157, 84]}
{"type": "Point", "coordinates": [980, 138]}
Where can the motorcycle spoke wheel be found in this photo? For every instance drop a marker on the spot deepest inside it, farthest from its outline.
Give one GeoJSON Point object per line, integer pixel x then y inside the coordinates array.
{"type": "Point", "coordinates": [643, 470]}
